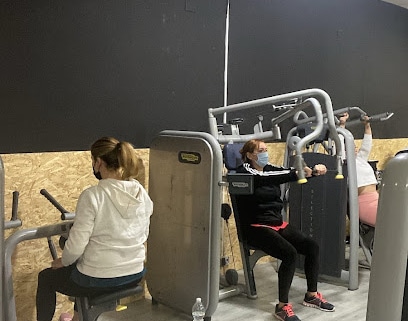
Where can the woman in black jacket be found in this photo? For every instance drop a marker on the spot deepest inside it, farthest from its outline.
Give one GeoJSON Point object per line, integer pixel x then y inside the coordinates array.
{"type": "Point", "coordinates": [264, 228]}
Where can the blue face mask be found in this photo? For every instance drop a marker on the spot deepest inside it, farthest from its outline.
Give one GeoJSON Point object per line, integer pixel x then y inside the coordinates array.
{"type": "Point", "coordinates": [263, 159]}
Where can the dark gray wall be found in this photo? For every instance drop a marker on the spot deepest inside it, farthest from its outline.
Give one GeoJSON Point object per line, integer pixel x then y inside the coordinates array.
{"type": "Point", "coordinates": [355, 50]}
{"type": "Point", "coordinates": [77, 70]}
{"type": "Point", "coordinates": [80, 69]}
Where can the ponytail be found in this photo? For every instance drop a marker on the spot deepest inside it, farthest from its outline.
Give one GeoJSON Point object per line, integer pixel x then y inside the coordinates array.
{"type": "Point", "coordinates": [127, 159]}
{"type": "Point", "coordinates": [118, 156]}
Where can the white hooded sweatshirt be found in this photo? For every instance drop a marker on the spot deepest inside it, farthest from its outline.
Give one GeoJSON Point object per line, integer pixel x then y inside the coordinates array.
{"type": "Point", "coordinates": [365, 173]}
{"type": "Point", "coordinates": [110, 227]}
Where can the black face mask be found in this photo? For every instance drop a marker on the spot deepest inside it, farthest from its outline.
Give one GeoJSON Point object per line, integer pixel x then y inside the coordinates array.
{"type": "Point", "coordinates": [97, 174]}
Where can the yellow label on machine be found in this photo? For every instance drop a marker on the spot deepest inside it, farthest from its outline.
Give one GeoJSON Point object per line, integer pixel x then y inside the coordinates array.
{"type": "Point", "coordinates": [120, 307]}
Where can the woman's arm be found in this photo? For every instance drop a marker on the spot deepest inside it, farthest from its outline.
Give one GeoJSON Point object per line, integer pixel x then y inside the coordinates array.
{"type": "Point", "coordinates": [367, 126]}
{"type": "Point", "coordinates": [343, 120]}
{"type": "Point", "coordinates": [367, 142]}
{"type": "Point", "coordinates": [273, 175]}
{"type": "Point", "coordinates": [82, 229]}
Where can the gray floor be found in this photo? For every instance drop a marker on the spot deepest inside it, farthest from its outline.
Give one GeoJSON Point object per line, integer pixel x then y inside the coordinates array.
{"type": "Point", "coordinates": [350, 305]}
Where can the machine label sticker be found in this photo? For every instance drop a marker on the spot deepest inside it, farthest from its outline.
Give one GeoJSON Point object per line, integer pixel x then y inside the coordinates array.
{"type": "Point", "coordinates": [240, 184]}
{"type": "Point", "coordinates": [189, 157]}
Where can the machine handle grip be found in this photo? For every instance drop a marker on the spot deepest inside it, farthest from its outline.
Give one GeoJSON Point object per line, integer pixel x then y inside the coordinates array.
{"type": "Point", "coordinates": [14, 208]}
{"type": "Point", "coordinates": [52, 200]}
{"type": "Point", "coordinates": [380, 117]}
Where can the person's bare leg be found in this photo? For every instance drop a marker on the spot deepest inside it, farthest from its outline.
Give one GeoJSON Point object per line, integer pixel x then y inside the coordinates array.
{"type": "Point", "coordinates": [76, 316]}
{"type": "Point", "coordinates": [65, 317]}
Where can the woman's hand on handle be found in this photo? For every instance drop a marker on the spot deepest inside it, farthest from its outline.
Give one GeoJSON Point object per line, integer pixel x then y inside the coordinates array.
{"type": "Point", "coordinates": [308, 171]}
{"type": "Point", "coordinates": [367, 127]}
{"type": "Point", "coordinates": [57, 263]}
{"type": "Point", "coordinates": [343, 119]}
{"type": "Point", "coordinates": [317, 170]}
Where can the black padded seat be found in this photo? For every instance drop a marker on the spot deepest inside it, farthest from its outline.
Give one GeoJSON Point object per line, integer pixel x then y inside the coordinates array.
{"type": "Point", "coordinates": [90, 308]}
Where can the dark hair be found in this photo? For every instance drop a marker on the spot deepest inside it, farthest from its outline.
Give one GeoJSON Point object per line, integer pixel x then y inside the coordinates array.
{"type": "Point", "coordinates": [249, 147]}
{"type": "Point", "coordinates": [117, 155]}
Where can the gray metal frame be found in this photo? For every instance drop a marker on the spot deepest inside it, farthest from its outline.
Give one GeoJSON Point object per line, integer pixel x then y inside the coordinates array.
{"type": "Point", "coordinates": [315, 93]}
{"type": "Point", "coordinates": [308, 98]}
{"type": "Point", "coordinates": [312, 97]}
{"type": "Point", "coordinates": [14, 221]}
{"type": "Point", "coordinates": [353, 208]}
{"type": "Point", "coordinates": [355, 239]}
{"type": "Point", "coordinates": [2, 239]}
{"type": "Point", "coordinates": [387, 291]}
{"type": "Point", "coordinates": [183, 256]}
{"type": "Point", "coordinates": [9, 304]}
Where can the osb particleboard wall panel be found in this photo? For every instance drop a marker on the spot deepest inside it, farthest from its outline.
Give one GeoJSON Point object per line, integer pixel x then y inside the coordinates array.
{"type": "Point", "coordinates": [65, 175]}
{"type": "Point", "coordinates": [385, 149]}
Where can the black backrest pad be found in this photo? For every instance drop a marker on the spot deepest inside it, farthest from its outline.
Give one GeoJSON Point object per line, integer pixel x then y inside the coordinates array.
{"type": "Point", "coordinates": [232, 157]}
{"type": "Point", "coordinates": [239, 184]}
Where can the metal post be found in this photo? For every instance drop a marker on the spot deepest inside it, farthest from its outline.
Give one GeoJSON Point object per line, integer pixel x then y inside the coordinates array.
{"type": "Point", "coordinates": [389, 262]}
{"type": "Point", "coordinates": [2, 237]}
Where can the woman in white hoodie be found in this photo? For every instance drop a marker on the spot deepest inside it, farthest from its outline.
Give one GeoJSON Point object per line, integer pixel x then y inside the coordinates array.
{"type": "Point", "coordinates": [105, 248]}
{"type": "Point", "coordinates": [366, 179]}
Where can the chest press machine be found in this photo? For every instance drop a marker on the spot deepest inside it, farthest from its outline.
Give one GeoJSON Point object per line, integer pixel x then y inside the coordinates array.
{"type": "Point", "coordinates": [185, 181]}
{"type": "Point", "coordinates": [242, 184]}
{"type": "Point", "coordinates": [346, 190]}
{"type": "Point", "coordinates": [320, 123]}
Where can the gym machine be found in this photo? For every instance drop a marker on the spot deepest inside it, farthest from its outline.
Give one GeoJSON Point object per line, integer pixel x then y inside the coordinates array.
{"type": "Point", "coordinates": [183, 256]}
{"type": "Point", "coordinates": [388, 296]}
{"type": "Point", "coordinates": [329, 231]}
{"type": "Point", "coordinates": [288, 105]}
{"type": "Point", "coordinates": [89, 308]}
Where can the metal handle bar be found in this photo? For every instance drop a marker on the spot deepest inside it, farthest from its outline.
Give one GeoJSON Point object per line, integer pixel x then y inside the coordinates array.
{"type": "Point", "coordinates": [314, 92]}
{"type": "Point", "coordinates": [381, 117]}
{"type": "Point", "coordinates": [14, 208]}
{"type": "Point", "coordinates": [14, 221]}
{"type": "Point", "coordinates": [65, 215]}
{"type": "Point", "coordinates": [337, 113]}
{"type": "Point", "coordinates": [374, 118]}
{"type": "Point", "coordinates": [9, 303]}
